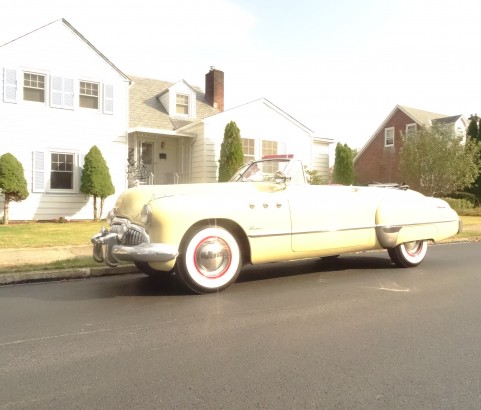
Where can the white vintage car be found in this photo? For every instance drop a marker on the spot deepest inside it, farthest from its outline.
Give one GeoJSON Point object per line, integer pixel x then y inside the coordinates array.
{"type": "Point", "coordinates": [266, 213]}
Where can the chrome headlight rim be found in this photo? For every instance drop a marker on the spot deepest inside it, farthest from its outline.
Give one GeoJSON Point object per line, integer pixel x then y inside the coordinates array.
{"type": "Point", "coordinates": [111, 216]}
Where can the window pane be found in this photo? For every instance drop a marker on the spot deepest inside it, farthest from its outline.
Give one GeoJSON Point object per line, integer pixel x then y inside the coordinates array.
{"type": "Point", "coordinates": [269, 148]}
{"type": "Point", "coordinates": [182, 104]}
{"type": "Point", "coordinates": [389, 136]}
{"type": "Point", "coordinates": [89, 95]}
{"type": "Point", "coordinates": [34, 87]}
{"type": "Point", "coordinates": [61, 174]}
{"type": "Point", "coordinates": [248, 149]}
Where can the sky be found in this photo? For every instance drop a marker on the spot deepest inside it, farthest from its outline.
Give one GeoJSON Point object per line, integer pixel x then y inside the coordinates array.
{"type": "Point", "coordinates": [339, 67]}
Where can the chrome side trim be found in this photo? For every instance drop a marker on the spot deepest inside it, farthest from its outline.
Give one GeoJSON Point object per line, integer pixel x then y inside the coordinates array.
{"type": "Point", "coordinates": [385, 228]}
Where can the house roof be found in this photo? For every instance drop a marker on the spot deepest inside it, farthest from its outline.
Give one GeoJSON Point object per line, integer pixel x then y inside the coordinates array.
{"type": "Point", "coordinates": [421, 117]}
{"type": "Point", "coordinates": [78, 34]}
{"type": "Point", "coordinates": [447, 120]}
{"type": "Point", "coordinates": [146, 111]}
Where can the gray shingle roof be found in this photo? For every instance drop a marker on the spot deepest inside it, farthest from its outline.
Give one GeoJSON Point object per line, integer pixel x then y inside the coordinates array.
{"type": "Point", "coordinates": [447, 120]}
{"type": "Point", "coordinates": [147, 111]}
{"type": "Point", "coordinates": [421, 117]}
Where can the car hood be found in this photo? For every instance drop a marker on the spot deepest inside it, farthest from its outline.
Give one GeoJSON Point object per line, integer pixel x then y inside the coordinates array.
{"type": "Point", "coordinates": [131, 201]}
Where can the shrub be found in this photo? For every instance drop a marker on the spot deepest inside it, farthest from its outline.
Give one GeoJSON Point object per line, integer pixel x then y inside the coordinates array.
{"type": "Point", "coordinates": [314, 178]}
{"type": "Point", "coordinates": [459, 204]}
{"type": "Point", "coordinates": [13, 185]}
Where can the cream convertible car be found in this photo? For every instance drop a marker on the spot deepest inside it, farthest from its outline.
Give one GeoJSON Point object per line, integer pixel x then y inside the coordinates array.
{"type": "Point", "coordinates": [266, 213]}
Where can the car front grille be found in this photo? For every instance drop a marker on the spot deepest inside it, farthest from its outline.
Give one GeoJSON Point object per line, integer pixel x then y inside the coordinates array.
{"type": "Point", "coordinates": [128, 233]}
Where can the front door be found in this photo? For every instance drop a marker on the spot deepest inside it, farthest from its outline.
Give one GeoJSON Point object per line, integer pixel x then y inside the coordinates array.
{"type": "Point", "coordinates": [146, 156]}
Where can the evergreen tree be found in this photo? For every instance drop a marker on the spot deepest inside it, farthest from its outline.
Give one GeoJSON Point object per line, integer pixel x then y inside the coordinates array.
{"type": "Point", "coordinates": [474, 132]}
{"type": "Point", "coordinates": [96, 180]}
{"type": "Point", "coordinates": [343, 165]}
{"type": "Point", "coordinates": [13, 185]}
{"type": "Point", "coordinates": [473, 128]}
{"type": "Point", "coordinates": [231, 155]}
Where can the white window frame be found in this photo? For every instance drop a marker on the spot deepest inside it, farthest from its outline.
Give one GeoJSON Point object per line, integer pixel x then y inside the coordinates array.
{"type": "Point", "coordinates": [45, 86]}
{"type": "Point", "coordinates": [387, 137]}
{"type": "Point", "coordinates": [187, 105]}
{"type": "Point", "coordinates": [408, 126]}
{"type": "Point", "coordinates": [42, 168]}
{"type": "Point", "coordinates": [83, 94]}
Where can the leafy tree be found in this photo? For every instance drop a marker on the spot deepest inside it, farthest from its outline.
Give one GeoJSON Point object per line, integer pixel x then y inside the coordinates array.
{"type": "Point", "coordinates": [13, 185]}
{"type": "Point", "coordinates": [231, 155]}
{"type": "Point", "coordinates": [96, 180]}
{"type": "Point", "coordinates": [473, 128]}
{"type": "Point", "coordinates": [343, 172]}
{"type": "Point", "coordinates": [475, 133]}
{"type": "Point", "coordinates": [435, 160]}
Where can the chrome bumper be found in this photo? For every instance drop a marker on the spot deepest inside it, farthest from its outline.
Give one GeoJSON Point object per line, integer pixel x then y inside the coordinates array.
{"type": "Point", "coordinates": [107, 248]}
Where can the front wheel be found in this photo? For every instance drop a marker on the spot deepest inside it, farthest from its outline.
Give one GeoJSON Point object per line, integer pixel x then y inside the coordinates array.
{"type": "Point", "coordinates": [409, 254]}
{"type": "Point", "coordinates": [209, 259]}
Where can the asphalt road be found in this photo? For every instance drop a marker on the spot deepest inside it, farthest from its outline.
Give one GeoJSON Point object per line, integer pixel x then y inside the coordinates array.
{"type": "Point", "coordinates": [350, 333]}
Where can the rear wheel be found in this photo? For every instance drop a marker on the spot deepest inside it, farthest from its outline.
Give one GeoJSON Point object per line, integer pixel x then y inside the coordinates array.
{"type": "Point", "coordinates": [409, 254]}
{"type": "Point", "coordinates": [209, 259]}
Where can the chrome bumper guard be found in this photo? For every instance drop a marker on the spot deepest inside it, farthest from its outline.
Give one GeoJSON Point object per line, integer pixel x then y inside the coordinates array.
{"type": "Point", "coordinates": [107, 248]}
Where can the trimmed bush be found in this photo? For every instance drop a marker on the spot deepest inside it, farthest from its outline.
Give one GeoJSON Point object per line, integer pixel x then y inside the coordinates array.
{"type": "Point", "coordinates": [13, 185]}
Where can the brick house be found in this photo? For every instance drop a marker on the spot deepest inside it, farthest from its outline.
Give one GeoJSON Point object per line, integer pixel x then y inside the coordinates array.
{"type": "Point", "coordinates": [378, 160]}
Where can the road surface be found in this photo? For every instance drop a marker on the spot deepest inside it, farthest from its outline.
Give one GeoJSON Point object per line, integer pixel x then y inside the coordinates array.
{"type": "Point", "coordinates": [350, 333]}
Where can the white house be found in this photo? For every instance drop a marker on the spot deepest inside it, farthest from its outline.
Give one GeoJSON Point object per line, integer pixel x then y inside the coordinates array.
{"type": "Point", "coordinates": [60, 96]}
{"type": "Point", "coordinates": [176, 131]}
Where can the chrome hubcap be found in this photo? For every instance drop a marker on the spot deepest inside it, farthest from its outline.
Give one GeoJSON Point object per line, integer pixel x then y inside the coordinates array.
{"type": "Point", "coordinates": [413, 248]}
{"type": "Point", "coordinates": [212, 257]}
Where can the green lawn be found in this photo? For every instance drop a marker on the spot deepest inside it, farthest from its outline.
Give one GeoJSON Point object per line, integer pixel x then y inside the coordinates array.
{"type": "Point", "coordinates": [41, 234]}
{"type": "Point", "coordinates": [37, 235]}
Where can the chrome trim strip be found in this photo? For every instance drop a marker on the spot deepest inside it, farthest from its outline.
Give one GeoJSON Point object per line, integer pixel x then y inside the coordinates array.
{"type": "Point", "coordinates": [395, 228]}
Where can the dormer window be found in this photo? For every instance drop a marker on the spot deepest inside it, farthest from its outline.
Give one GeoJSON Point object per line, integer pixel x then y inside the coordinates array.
{"type": "Point", "coordinates": [182, 104]}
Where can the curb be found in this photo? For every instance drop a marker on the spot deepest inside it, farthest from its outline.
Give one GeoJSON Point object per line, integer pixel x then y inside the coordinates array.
{"type": "Point", "coordinates": [64, 274]}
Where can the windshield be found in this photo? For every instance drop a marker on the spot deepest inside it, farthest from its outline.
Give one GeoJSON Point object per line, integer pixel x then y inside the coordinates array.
{"type": "Point", "coordinates": [264, 171]}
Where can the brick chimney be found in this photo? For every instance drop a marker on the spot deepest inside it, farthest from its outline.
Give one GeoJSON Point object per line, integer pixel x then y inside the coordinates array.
{"type": "Point", "coordinates": [214, 88]}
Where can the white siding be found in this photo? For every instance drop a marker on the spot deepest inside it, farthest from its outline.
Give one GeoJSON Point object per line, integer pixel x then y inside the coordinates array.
{"type": "Point", "coordinates": [258, 120]}
{"type": "Point", "coordinates": [59, 124]}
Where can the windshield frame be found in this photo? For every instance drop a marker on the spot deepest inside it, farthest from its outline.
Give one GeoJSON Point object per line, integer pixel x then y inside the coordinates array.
{"type": "Point", "coordinates": [285, 165]}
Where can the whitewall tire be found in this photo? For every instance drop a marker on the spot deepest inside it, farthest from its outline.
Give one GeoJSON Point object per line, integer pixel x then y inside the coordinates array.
{"type": "Point", "coordinates": [209, 259]}
{"type": "Point", "coordinates": [409, 254]}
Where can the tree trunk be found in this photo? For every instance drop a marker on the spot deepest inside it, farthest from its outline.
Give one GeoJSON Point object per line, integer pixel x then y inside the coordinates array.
{"type": "Point", "coordinates": [101, 207]}
{"type": "Point", "coordinates": [5, 210]}
{"type": "Point", "coordinates": [95, 208]}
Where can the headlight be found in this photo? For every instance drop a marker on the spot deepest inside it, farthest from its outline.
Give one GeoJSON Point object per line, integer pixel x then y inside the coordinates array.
{"type": "Point", "coordinates": [111, 215]}
{"type": "Point", "coordinates": [146, 214]}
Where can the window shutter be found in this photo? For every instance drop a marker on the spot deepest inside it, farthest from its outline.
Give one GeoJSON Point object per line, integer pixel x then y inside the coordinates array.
{"type": "Point", "coordinates": [56, 91]}
{"type": "Point", "coordinates": [9, 85]}
{"type": "Point", "coordinates": [61, 93]}
{"type": "Point", "coordinates": [108, 97]}
{"type": "Point", "coordinates": [68, 93]}
{"type": "Point", "coordinates": [38, 184]}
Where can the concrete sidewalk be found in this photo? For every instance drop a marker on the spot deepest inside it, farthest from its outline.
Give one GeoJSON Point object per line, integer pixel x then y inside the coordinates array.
{"type": "Point", "coordinates": [13, 257]}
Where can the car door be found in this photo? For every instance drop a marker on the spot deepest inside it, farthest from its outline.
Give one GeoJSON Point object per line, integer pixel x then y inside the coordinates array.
{"type": "Point", "coordinates": [330, 217]}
